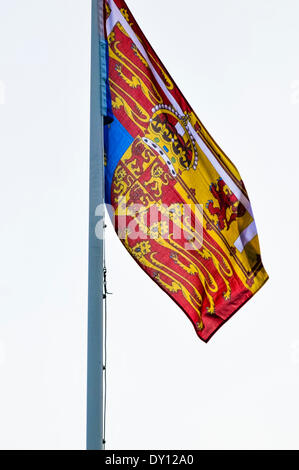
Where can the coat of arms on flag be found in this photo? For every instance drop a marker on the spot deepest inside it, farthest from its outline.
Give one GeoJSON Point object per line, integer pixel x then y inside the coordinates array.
{"type": "Point", "coordinates": [181, 208]}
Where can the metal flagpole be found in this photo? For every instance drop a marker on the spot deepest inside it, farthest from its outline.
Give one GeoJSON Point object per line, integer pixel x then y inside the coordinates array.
{"type": "Point", "coordinates": [95, 390]}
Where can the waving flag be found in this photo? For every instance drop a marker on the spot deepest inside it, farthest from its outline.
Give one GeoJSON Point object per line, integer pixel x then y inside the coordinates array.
{"type": "Point", "coordinates": [181, 207]}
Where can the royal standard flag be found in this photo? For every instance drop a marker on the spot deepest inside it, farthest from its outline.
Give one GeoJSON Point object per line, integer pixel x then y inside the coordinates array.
{"type": "Point", "coordinates": [180, 206]}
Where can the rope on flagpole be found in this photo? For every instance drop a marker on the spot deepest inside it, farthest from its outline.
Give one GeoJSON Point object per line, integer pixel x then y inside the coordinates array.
{"type": "Point", "coordinates": [105, 351]}
{"type": "Point", "coordinates": [101, 31]}
{"type": "Point", "coordinates": [105, 296]}
{"type": "Point", "coordinates": [103, 97]}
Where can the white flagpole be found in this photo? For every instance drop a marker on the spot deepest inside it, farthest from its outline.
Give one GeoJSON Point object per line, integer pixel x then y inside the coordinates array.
{"type": "Point", "coordinates": [94, 428]}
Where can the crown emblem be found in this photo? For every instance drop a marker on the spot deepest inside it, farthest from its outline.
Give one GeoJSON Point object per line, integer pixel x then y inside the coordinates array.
{"type": "Point", "coordinates": [169, 136]}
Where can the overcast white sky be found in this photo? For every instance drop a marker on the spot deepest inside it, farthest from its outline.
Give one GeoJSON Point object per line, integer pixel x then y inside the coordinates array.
{"type": "Point", "coordinates": [237, 63]}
